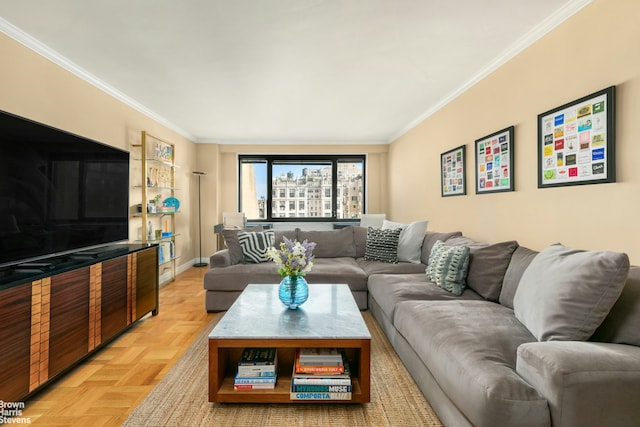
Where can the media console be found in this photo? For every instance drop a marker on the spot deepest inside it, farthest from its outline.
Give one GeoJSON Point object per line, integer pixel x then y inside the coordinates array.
{"type": "Point", "coordinates": [56, 312]}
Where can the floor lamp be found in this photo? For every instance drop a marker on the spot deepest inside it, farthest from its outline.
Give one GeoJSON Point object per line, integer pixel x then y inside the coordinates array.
{"type": "Point", "coordinates": [199, 263]}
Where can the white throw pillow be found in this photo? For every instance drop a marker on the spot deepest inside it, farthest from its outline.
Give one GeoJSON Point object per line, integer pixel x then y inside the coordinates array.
{"type": "Point", "coordinates": [411, 237]}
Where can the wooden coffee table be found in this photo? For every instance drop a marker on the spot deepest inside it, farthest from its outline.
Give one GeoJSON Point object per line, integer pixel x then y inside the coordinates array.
{"type": "Point", "coordinates": [329, 318]}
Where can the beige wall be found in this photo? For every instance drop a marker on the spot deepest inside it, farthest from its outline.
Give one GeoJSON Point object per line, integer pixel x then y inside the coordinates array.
{"type": "Point", "coordinates": [596, 48]}
{"type": "Point", "coordinates": [35, 88]}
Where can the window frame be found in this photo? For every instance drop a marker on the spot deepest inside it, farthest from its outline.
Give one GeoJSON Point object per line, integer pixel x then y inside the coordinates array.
{"type": "Point", "coordinates": [312, 158]}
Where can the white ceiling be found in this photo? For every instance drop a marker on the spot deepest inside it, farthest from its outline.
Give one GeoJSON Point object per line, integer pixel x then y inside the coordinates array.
{"type": "Point", "coordinates": [283, 71]}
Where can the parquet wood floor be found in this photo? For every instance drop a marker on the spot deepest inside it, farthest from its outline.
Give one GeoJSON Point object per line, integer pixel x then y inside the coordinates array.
{"type": "Point", "coordinates": [105, 388]}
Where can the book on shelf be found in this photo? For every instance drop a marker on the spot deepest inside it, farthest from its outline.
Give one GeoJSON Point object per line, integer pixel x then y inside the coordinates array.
{"type": "Point", "coordinates": [319, 396]}
{"type": "Point", "coordinates": [258, 362]}
{"type": "Point", "coordinates": [259, 386]}
{"type": "Point", "coordinates": [329, 379]}
{"type": "Point", "coordinates": [319, 388]}
{"type": "Point", "coordinates": [320, 356]}
{"type": "Point", "coordinates": [252, 356]}
{"type": "Point", "coordinates": [254, 380]}
{"type": "Point", "coordinates": [333, 367]}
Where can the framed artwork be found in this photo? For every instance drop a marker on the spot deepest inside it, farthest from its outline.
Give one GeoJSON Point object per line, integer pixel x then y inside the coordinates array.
{"type": "Point", "coordinates": [576, 142]}
{"type": "Point", "coordinates": [452, 169]}
{"type": "Point", "coordinates": [494, 162]}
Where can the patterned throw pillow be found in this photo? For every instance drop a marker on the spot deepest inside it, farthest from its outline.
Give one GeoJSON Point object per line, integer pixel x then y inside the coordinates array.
{"type": "Point", "coordinates": [382, 245]}
{"type": "Point", "coordinates": [447, 266]}
{"type": "Point", "coordinates": [255, 244]}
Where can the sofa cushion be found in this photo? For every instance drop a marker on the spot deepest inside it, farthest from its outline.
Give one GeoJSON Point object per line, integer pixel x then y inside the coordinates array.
{"type": "Point", "coordinates": [430, 238]}
{"type": "Point", "coordinates": [360, 237]}
{"type": "Point", "coordinates": [338, 270]}
{"type": "Point", "coordinates": [470, 349]}
{"type": "Point", "coordinates": [520, 260]}
{"type": "Point", "coordinates": [565, 293]}
{"type": "Point", "coordinates": [389, 289]}
{"type": "Point", "coordinates": [622, 325]}
{"type": "Point", "coordinates": [379, 267]}
{"type": "Point", "coordinates": [382, 245]}
{"type": "Point", "coordinates": [447, 267]}
{"type": "Point", "coordinates": [230, 236]}
{"type": "Point", "coordinates": [487, 265]}
{"type": "Point", "coordinates": [331, 243]}
{"type": "Point", "coordinates": [410, 241]}
{"type": "Point", "coordinates": [255, 244]}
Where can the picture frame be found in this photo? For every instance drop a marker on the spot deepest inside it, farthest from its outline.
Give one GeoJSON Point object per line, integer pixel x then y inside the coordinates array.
{"type": "Point", "coordinates": [576, 142]}
{"type": "Point", "coordinates": [494, 162]}
{"type": "Point", "coordinates": [453, 172]}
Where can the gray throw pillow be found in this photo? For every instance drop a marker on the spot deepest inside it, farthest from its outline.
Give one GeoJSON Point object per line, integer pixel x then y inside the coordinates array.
{"type": "Point", "coordinates": [488, 264]}
{"type": "Point", "coordinates": [231, 242]}
{"type": "Point", "coordinates": [410, 241]}
{"type": "Point", "coordinates": [565, 294]}
{"type": "Point", "coordinates": [447, 267]}
{"type": "Point", "coordinates": [382, 245]}
{"type": "Point", "coordinates": [255, 245]}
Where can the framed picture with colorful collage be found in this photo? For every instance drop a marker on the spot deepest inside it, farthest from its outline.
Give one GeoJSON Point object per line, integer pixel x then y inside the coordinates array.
{"type": "Point", "coordinates": [494, 162]}
{"type": "Point", "coordinates": [576, 142]}
{"type": "Point", "coordinates": [452, 169]}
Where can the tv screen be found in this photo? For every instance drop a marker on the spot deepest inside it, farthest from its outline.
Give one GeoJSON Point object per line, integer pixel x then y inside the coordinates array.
{"type": "Point", "coordinates": [59, 192]}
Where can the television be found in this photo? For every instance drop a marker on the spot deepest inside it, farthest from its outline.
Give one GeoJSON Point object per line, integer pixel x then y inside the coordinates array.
{"type": "Point", "coordinates": [59, 192]}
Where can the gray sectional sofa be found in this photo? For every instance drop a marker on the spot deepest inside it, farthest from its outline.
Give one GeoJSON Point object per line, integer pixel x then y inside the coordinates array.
{"type": "Point", "coordinates": [535, 338]}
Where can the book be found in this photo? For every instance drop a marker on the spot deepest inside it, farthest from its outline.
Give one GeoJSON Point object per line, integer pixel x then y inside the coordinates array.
{"type": "Point", "coordinates": [314, 388]}
{"type": "Point", "coordinates": [263, 386]}
{"type": "Point", "coordinates": [325, 367]}
{"type": "Point", "coordinates": [320, 356]}
{"type": "Point", "coordinates": [254, 380]}
{"type": "Point", "coordinates": [319, 396]}
{"type": "Point", "coordinates": [343, 378]}
{"type": "Point", "coordinates": [256, 371]}
{"type": "Point", "coordinates": [258, 356]}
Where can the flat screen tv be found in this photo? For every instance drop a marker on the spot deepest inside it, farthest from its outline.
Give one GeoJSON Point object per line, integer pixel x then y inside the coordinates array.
{"type": "Point", "coordinates": [59, 192]}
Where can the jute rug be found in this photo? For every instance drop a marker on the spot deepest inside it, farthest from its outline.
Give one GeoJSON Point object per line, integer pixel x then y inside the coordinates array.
{"type": "Point", "coordinates": [181, 397]}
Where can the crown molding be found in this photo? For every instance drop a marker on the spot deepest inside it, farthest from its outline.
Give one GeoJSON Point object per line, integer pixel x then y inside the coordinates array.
{"type": "Point", "coordinates": [43, 50]}
{"type": "Point", "coordinates": [540, 30]}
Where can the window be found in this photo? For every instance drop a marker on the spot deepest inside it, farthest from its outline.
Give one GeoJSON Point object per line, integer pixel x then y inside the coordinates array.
{"type": "Point", "coordinates": [328, 188]}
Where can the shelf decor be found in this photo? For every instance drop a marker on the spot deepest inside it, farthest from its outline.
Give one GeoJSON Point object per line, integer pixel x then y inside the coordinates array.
{"type": "Point", "coordinates": [576, 142]}
{"type": "Point", "coordinates": [494, 162]}
{"type": "Point", "coordinates": [453, 174]}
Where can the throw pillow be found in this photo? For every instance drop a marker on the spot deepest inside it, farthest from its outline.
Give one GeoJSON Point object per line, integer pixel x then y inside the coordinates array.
{"type": "Point", "coordinates": [382, 245]}
{"type": "Point", "coordinates": [411, 237]}
{"type": "Point", "coordinates": [231, 241]}
{"type": "Point", "coordinates": [565, 294]}
{"type": "Point", "coordinates": [255, 245]}
{"type": "Point", "coordinates": [447, 267]}
{"type": "Point", "coordinates": [488, 264]}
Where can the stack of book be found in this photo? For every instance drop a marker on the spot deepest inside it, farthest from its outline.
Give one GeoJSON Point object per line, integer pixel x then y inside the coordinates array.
{"type": "Point", "coordinates": [320, 374]}
{"type": "Point", "coordinates": [257, 369]}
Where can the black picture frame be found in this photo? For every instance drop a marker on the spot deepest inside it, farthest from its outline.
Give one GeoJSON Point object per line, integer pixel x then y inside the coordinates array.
{"type": "Point", "coordinates": [453, 176]}
{"type": "Point", "coordinates": [494, 162]}
{"type": "Point", "coordinates": [576, 142]}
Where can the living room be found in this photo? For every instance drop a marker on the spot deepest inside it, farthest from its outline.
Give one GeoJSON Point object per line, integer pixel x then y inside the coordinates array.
{"type": "Point", "coordinates": [591, 50]}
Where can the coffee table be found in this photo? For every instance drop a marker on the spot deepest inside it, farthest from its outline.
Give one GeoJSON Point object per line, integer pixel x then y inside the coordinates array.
{"type": "Point", "coordinates": [329, 318]}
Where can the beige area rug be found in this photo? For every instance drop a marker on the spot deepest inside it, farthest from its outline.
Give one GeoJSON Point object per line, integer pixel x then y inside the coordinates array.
{"type": "Point", "coordinates": [181, 397]}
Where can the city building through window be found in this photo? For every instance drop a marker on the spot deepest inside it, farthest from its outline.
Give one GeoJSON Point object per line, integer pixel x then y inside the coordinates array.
{"type": "Point", "coordinates": [301, 188]}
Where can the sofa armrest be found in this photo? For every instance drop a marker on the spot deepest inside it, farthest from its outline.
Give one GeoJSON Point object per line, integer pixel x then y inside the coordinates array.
{"type": "Point", "coordinates": [220, 259]}
{"type": "Point", "coordinates": [585, 383]}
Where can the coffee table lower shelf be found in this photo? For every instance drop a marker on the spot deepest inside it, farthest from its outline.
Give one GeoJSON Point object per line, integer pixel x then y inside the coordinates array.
{"type": "Point", "coordinates": [224, 354]}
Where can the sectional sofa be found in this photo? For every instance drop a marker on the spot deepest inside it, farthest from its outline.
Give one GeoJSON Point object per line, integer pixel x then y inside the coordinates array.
{"type": "Point", "coordinates": [530, 339]}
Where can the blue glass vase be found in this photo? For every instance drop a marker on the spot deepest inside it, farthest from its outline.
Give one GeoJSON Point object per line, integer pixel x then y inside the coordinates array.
{"type": "Point", "coordinates": [293, 291]}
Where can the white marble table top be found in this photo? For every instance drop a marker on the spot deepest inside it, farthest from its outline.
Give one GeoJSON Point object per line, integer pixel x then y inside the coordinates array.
{"type": "Point", "coordinates": [329, 312]}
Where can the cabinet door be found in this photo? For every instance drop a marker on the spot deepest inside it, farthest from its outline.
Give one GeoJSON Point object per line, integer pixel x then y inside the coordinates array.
{"type": "Point", "coordinates": [15, 336]}
{"type": "Point", "coordinates": [146, 282]}
{"type": "Point", "coordinates": [113, 301]}
{"type": "Point", "coordinates": [69, 324]}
